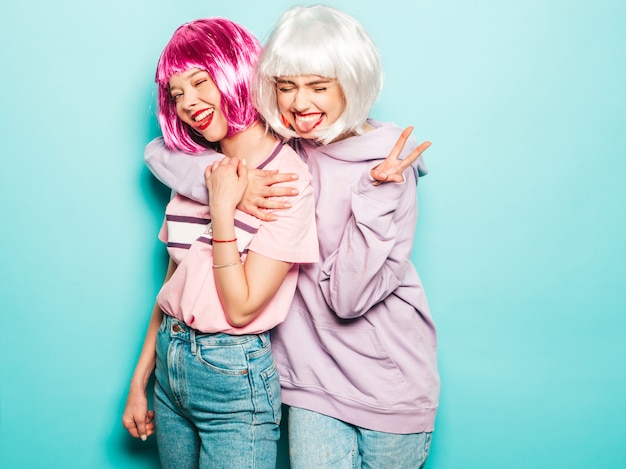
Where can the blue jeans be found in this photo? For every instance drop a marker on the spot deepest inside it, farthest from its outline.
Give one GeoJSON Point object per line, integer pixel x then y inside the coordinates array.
{"type": "Point", "coordinates": [317, 441]}
{"type": "Point", "coordinates": [216, 399]}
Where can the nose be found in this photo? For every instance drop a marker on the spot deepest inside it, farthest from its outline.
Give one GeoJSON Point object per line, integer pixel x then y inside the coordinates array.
{"type": "Point", "coordinates": [300, 100]}
{"type": "Point", "coordinates": [189, 99]}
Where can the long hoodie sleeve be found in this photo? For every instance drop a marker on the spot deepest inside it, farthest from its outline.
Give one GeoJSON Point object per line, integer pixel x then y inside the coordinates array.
{"type": "Point", "coordinates": [375, 248]}
{"type": "Point", "coordinates": [182, 172]}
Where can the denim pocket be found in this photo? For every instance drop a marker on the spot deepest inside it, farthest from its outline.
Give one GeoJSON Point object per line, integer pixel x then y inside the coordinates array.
{"type": "Point", "coordinates": [271, 383]}
{"type": "Point", "coordinates": [224, 359]}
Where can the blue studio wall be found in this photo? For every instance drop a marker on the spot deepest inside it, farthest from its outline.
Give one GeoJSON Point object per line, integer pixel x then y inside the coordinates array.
{"type": "Point", "coordinates": [520, 241]}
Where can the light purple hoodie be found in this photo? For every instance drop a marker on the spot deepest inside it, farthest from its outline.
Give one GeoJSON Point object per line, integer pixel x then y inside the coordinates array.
{"type": "Point", "coordinates": [358, 343]}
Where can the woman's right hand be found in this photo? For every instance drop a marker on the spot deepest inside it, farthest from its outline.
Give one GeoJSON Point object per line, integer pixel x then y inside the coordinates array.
{"type": "Point", "coordinates": [392, 168]}
{"type": "Point", "coordinates": [260, 200]}
{"type": "Point", "coordinates": [137, 419]}
{"type": "Point", "coordinates": [226, 181]}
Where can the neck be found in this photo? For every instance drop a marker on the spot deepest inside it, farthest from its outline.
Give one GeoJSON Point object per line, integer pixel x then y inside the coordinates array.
{"type": "Point", "coordinates": [366, 127]}
{"type": "Point", "coordinates": [252, 144]}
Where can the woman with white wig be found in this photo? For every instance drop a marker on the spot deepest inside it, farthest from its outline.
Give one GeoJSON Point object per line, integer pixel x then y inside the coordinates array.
{"type": "Point", "coordinates": [357, 352]}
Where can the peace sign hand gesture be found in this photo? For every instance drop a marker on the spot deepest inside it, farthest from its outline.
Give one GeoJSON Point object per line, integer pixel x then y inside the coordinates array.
{"type": "Point", "coordinates": [392, 168]}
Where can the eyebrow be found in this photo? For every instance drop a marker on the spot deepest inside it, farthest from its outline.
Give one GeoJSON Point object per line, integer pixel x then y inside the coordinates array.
{"type": "Point", "coordinates": [196, 72]}
{"type": "Point", "coordinates": [189, 78]}
{"type": "Point", "coordinates": [321, 81]}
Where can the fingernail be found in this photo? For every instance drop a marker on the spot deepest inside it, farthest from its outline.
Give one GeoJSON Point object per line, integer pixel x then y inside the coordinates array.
{"type": "Point", "coordinates": [295, 192]}
{"type": "Point", "coordinates": [144, 437]}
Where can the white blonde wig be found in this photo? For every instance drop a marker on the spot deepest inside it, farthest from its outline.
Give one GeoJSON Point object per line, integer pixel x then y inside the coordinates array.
{"type": "Point", "coordinates": [320, 40]}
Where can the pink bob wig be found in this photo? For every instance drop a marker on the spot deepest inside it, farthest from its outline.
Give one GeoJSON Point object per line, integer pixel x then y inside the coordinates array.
{"type": "Point", "coordinates": [229, 54]}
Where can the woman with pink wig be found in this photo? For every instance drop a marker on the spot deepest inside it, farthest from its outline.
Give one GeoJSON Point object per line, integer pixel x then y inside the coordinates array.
{"type": "Point", "coordinates": [231, 277]}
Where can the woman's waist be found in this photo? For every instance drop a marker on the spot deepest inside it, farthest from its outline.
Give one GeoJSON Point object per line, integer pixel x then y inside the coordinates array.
{"type": "Point", "coordinates": [180, 330]}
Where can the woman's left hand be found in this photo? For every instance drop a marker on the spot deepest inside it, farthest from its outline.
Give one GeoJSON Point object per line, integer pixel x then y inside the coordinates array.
{"type": "Point", "coordinates": [392, 168]}
{"type": "Point", "coordinates": [226, 181]}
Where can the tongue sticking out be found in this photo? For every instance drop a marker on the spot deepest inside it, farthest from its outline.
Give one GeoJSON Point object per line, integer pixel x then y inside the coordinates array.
{"type": "Point", "coordinates": [308, 122]}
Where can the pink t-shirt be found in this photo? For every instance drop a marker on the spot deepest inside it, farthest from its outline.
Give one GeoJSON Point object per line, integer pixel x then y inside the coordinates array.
{"type": "Point", "coordinates": [190, 294]}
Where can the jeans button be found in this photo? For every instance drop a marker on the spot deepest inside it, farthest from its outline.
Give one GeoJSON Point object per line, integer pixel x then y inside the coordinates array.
{"type": "Point", "coordinates": [177, 328]}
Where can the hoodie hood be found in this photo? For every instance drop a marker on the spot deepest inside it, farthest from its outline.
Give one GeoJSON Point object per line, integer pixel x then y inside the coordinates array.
{"type": "Point", "coordinates": [368, 146]}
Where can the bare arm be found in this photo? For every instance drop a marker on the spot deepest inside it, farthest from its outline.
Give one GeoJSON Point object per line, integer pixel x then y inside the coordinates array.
{"type": "Point", "coordinates": [243, 289]}
{"type": "Point", "coordinates": [137, 419]}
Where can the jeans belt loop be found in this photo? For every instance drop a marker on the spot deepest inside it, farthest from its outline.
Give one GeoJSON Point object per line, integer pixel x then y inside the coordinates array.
{"type": "Point", "coordinates": [192, 339]}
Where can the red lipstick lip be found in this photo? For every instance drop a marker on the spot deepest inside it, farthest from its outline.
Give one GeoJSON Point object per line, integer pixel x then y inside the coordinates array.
{"type": "Point", "coordinates": [308, 114]}
{"type": "Point", "coordinates": [204, 123]}
{"type": "Point", "coordinates": [197, 113]}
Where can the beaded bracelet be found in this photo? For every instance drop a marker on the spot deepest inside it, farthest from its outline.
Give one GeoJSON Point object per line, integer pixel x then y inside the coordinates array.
{"type": "Point", "coordinates": [221, 266]}
{"type": "Point", "coordinates": [224, 240]}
